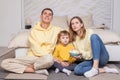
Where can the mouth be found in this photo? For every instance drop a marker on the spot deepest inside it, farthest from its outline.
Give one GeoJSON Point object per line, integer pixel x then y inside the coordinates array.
{"type": "Point", "coordinates": [46, 18]}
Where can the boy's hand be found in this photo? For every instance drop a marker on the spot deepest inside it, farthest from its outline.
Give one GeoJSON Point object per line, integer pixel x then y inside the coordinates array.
{"type": "Point", "coordinates": [65, 63]}
{"type": "Point", "coordinates": [57, 60]}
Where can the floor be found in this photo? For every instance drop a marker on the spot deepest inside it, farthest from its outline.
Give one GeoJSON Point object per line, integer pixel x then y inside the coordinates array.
{"type": "Point", "coordinates": [54, 76]}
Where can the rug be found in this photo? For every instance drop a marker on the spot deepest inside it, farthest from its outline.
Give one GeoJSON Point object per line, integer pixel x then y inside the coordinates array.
{"type": "Point", "coordinates": [107, 76]}
{"type": "Point", "coordinates": [28, 76]}
{"type": "Point", "coordinates": [63, 76]}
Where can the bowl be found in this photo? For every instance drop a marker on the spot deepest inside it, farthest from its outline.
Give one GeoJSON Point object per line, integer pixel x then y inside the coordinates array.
{"type": "Point", "coordinates": [74, 53]}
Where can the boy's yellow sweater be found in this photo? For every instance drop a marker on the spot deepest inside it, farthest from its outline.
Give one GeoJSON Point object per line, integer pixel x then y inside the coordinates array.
{"type": "Point", "coordinates": [62, 53]}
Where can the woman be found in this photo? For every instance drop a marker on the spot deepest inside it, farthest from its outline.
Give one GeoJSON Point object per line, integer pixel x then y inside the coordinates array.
{"type": "Point", "coordinates": [92, 49]}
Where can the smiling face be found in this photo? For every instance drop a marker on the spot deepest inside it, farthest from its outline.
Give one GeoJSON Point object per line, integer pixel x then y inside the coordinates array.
{"type": "Point", "coordinates": [64, 39]}
{"type": "Point", "coordinates": [46, 16]}
{"type": "Point", "coordinates": [76, 25]}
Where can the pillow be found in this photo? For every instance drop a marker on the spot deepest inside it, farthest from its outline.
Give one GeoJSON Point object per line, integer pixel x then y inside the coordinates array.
{"type": "Point", "coordinates": [20, 40]}
{"type": "Point", "coordinates": [60, 21]}
{"type": "Point", "coordinates": [88, 22]}
{"type": "Point", "coordinates": [107, 36]}
{"type": "Point", "coordinates": [87, 19]}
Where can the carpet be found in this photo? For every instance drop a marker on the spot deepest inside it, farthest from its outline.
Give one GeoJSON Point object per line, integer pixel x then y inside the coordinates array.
{"type": "Point", "coordinates": [107, 76]}
{"type": "Point", "coordinates": [63, 76]}
{"type": "Point", "coordinates": [28, 76]}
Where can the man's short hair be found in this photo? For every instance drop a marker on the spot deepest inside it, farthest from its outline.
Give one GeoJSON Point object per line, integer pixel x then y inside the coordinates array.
{"type": "Point", "coordinates": [47, 9]}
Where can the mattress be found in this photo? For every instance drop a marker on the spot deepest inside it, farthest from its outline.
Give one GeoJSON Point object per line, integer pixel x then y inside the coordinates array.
{"type": "Point", "coordinates": [19, 52]}
{"type": "Point", "coordinates": [113, 50]}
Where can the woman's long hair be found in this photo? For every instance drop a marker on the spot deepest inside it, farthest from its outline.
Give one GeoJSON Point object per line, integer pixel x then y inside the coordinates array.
{"type": "Point", "coordinates": [73, 34]}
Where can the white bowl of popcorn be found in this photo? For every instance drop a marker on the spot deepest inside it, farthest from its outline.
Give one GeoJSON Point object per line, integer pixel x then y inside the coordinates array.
{"type": "Point", "coordinates": [74, 53]}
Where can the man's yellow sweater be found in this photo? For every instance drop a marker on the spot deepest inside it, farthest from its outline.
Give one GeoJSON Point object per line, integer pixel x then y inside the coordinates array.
{"type": "Point", "coordinates": [42, 41]}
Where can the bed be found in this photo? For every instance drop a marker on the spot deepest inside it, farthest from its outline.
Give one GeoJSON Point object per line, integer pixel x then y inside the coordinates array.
{"type": "Point", "coordinates": [110, 38]}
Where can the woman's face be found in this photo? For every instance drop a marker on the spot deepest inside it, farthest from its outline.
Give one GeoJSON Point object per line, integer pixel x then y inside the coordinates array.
{"type": "Point", "coordinates": [76, 25]}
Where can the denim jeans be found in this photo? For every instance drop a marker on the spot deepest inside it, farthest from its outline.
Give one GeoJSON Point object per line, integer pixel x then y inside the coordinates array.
{"type": "Point", "coordinates": [99, 53]}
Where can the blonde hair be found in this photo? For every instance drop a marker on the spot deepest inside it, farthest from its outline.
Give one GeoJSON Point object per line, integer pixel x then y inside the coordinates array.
{"type": "Point", "coordinates": [65, 33]}
{"type": "Point", "coordinates": [73, 34]}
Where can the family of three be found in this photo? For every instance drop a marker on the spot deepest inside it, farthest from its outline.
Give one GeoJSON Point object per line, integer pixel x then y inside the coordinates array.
{"type": "Point", "coordinates": [50, 46]}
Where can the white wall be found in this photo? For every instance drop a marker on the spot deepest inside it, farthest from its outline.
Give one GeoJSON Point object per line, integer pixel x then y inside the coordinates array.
{"type": "Point", "coordinates": [10, 20]}
{"type": "Point", "coordinates": [116, 16]}
{"type": "Point", "coordinates": [100, 9]}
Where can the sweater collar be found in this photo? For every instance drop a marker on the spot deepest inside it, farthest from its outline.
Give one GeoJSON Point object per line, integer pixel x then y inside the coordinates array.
{"type": "Point", "coordinates": [42, 29]}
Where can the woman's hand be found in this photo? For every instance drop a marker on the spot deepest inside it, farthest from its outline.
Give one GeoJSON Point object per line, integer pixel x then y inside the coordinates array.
{"type": "Point", "coordinates": [78, 57]}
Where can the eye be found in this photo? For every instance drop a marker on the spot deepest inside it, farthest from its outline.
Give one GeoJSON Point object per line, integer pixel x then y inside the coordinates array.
{"type": "Point", "coordinates": [76, 22]}
{"type": "Point", "coordinates": [67, 37]}
{"type": "Point", "coordinates": [50, 14]}
{"type": "Point", "coordinates": [72, 23]}
{"type": "Point", "coordinates": [44, 13]}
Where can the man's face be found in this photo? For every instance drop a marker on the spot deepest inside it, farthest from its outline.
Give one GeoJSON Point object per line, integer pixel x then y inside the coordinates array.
{"type": "Point", "coordinates": [46, 16]}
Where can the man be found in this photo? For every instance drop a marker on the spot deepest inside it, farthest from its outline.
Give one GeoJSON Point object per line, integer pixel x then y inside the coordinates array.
{"type": "Point", "coordinates": [42, 38]}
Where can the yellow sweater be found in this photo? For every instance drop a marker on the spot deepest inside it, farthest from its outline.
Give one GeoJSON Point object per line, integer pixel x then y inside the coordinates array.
{"type": "Point", "coordinates": [42, 41]}
{"type": "Point", "coordinates": [84, 45]}
{"type": "Point", "coordinates": [62, 53]}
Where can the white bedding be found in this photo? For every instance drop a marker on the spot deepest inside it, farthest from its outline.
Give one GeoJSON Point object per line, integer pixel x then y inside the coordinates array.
{"type": "Point", "coordinates": [108, 36]}
{"type": "Point", "coordinates": [113, 50]}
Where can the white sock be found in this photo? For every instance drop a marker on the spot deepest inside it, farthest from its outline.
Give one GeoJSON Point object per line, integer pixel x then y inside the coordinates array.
{"type": "Point", "coordinates": [112, 70]}
{"type": "Point", "coordinates": [91, 72]}
{"type": "Point", "coordinates": [42, 71]}
{"type": "Point", "coordinates": [68, 72]}
{"type": "Point", "coordinates": [57, 70]}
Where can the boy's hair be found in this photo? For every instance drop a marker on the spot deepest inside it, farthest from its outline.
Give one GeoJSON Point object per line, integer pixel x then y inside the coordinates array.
{"type": "Point", "coordinates": [65, 33]}
{"type": "Point", "coordinates": [47, 9]}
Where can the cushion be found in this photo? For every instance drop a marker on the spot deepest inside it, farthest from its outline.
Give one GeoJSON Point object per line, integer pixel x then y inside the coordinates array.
{"type": "Point", "coordinates": [108, 36]}
{"type": "Point", "coordinates": [87, 19]}
{"type": "Point", "coordinates": [20, 40]}
{"type": "Point", "coordinates": [88, 22]}
{"type": "Point", "coordinates": [60, 21]}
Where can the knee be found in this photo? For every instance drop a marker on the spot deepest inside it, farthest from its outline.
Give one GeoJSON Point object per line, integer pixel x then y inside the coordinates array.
{"type": "Point", "coordinates": [94, 36]}
{"type": "Point", "coordinates": [78, 70]}
{"type": "Point", "coordinates": [49, 60]}
{"type": "Point", "coordinates": [4, 63]}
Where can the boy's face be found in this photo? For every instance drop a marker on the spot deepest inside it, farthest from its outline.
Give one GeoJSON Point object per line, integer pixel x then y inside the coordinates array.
{"type": "Point", "coordinates": [64, 39]}
{"type": "Point", "coordinates": [47, 16]}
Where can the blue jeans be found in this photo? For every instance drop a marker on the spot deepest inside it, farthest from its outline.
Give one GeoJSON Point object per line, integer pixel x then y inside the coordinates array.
{"type": "Point", "coordinates": [99, 53]}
